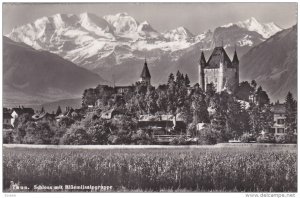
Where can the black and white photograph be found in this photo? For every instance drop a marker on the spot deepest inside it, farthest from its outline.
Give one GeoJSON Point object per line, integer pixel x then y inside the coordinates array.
{"type": "Point", "coordinates": [148, 97]}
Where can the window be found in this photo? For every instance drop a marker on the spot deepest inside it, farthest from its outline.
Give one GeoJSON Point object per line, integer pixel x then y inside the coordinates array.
{"type": "Point", "coordinates": [280, 121]}
{"type": "Point", "coordinates": [272, 130]}
{"type": "Point", "coordinates": [280, 130]}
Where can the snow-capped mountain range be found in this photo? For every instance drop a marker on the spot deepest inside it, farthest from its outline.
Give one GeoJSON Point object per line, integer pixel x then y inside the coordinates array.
{"type": "Point", "coordinates": [266, 30]}
{"type": "Point", "coordinates": [102, 44]}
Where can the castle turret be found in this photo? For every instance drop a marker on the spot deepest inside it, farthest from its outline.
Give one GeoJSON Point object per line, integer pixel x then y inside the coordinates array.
{"type": "Point", "coordinates": [202, 64]}
{"type": "Point", "coordinates": [222, 71]}
{"type": "Point", "coordinates": [145, 75]}
{"type": "Point", "coordinates": [236, 64]}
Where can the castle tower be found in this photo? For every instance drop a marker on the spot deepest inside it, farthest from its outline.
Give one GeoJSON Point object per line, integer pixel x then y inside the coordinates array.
{"type": "Point", "coordinates": [236, 64]}
{"type": "Point", "coordinates": [202, 64]}
{"type": "Point", "coordinates": [145, 77]}
{"type": "Point", "coordinates": [222, 72]}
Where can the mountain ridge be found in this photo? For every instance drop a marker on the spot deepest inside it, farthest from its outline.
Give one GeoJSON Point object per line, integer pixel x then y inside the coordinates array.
{"type": "Point", "coordinates": [31, 76]}
{"type": "Point", "coordinates": [118, 45]}
{"type": "Point", "coordinates": [273, 64]}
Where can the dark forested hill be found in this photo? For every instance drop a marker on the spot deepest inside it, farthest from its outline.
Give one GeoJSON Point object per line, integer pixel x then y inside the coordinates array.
{"type": "Point", "coordinates": [34, 77]}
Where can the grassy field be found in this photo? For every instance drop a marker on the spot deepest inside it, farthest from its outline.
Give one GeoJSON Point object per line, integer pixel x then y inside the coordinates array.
{"type": "Point", "coordinates": [233, 169]}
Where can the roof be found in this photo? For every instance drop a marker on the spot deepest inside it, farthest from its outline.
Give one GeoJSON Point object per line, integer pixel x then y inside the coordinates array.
{"type": "Point", "coordinates": [160, 123]}
{"type": "Point", "coordinates": [23, 110]}
{"type": "Point", "coordinates": [278, 108]}
{"type": "Point", "coordinates": [38, 116]}
{"type": "Point", "coordinates": [218, 55]}
{"type": "Point", "coordinates": [235, 57]}
{"type": "Point", "coordinates": [7, 116]}
{"type": "Point", "coordinates": [145, 73]}
{"type": "Point", "coordinates": [165, 117]}
{"type": "Point", "coordinates": [108, 114]}
{"type": "Point", "coordinates": [202, 59]}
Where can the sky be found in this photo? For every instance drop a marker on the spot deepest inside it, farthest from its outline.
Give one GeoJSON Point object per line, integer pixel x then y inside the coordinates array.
{"type": "Point", "coordinates": [197, 17]}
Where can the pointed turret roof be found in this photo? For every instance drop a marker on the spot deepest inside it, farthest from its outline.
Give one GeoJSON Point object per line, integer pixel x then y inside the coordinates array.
{"type": "Point", "coordinates": [145, 73]}
{"type": "Point", "coordinates": [235, 57]}
{"type": "Point", "coordinates": [202, 59]}
{"type": "Point", "coordinates": [218, 55]}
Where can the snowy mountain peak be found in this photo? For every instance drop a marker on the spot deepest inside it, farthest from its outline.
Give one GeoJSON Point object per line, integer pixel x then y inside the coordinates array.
{"type": "Point", "coordinates": [179, 34]}
{"type": "Point", "coordinates": [146, 27]}
{"type": "Point", "coordinates": [96, 42]}
{"type": "Point", "coordinates": [95, 24]}
{"type": "Point", "coordinates": [145, 23]}
{"type": "Point", "coordinates": [122, 14]}
{"type": "Point", "coordinates": [122, 23]}
{"type": "Point", "coordinates": [88, 15]}
{"type": "Point", "coordinates": [252, 20]}
{"type": "Point", "coordinates": [252, 24]}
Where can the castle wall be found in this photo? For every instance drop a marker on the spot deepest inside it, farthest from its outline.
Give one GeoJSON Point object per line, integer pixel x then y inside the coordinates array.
{"type": "Point", "coordinates": [212, 76]}
{"type": "Point", "coordinates": [221, 80]}
{"type": "Point", "coordinates": [230, 80]}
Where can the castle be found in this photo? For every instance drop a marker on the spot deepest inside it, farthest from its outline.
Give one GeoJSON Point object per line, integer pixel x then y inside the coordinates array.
{"type": "Point", "coordinates": [219, 71]}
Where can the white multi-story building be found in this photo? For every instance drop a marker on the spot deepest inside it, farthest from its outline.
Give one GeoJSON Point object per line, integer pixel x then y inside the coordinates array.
{"type": "Point", "coordinates": [279, 127]}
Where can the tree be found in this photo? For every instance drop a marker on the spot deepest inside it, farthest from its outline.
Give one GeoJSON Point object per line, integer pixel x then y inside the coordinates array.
{"type": "Point", "coordinates": [66, 122]}
{"type": "Point", "coordinates": [199, 108]}
{"type": "Point", "coordinates": [179, 79]}
{"type": "Point", "coordinates": [142, 137]}
{"type": "Point", "coordinates": [291, 108]}
{"type": "Point", "coordinates": [20, 124]}
{"type": "Point", "coordinates": [76, 135]}
{"type": "Point", "coordinates": [219, 118]}
{"type": "Point", "coordinates": [151, 98]}
{"type": "Point", "coordinates": [162, 102]}
{"type": "Point", "coordinates": [253, 84]}
{"type": "Point", "coordinates": [99, 131]}
{"type": "Point", "coordinates": [261, 118]}
{"type": "Point", "coordinates": [171, 79]}
{"type": "Point", "coordinates": [244, 91]}
{"type": "Point", "coordinates": [186, 81]}
{"type": "Point", "coordinates": [42, 110]}
{"type": "Point", "coordinates": [43, 133]}
{"type": "Point", "coordinates": [58, 111]}
{"type": "Point", "coordinates": [207, 136]}
{"type": "Point", "coordinates": [261, 97]}
{"type": "Point", "coordinates": [121, 130]}
{"type": "Point", "coordinates": [233, 120]}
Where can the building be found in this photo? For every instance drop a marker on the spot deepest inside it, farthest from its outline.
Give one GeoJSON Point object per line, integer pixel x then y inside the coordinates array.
{"type": "Point", "coordinates": [91, 96]}
{"type": "Point", "coordinates": [123, 89]}
{"type": "Point", "coordinates": [145, 77]}
{"type": "Point", "coordinates": [16, 112]}
{"type": "Point", "coordinates": [219, 71]}
{"type": "Point", "coordinates": [162, 124]}
{"type": "Point", "coordinates": [44, 116]}
{"type": "Point", "coordinates": [109, 114]}
{"type": "Point", "coordinates": [279, 127]}
{"type": "Point", "coordinates": [67, 114]}
{"type": "Point", "coordinates": [7, 120]}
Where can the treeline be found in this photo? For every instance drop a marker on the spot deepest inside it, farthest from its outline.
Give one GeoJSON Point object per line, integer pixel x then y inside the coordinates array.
{"type": "Point", "coordinates": [243, 115]}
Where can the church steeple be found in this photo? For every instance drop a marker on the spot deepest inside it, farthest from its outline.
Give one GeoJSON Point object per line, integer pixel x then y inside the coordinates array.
{"type": "Point", "coordinates": [145, 75]}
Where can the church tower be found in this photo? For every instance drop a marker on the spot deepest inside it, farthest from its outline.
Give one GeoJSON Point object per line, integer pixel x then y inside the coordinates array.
{"type": "Point", "coordinates": [145, 77]}
{"type": "Point", "coordinates": [202, 64]}
{"type": "Point", "coordinates": [236, 64]}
